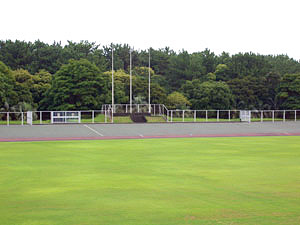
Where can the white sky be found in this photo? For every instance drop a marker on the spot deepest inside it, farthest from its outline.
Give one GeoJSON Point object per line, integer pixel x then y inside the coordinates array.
{"type": "Point", "coordinates": [260, 26]}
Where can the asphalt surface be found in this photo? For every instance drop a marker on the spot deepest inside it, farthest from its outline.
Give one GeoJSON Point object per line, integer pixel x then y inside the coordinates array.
{"type": "Point", "coordinates": [163, 130]}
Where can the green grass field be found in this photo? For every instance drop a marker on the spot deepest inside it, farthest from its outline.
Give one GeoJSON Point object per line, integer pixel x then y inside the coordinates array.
{"type": "Point", "coordinates": [254, 180]}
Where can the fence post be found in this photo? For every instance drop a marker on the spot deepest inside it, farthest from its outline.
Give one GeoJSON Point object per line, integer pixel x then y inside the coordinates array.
{"type": "Point", "coordinates": [217, 115]}
{"type": "Point", "coordinates": [261, 116]}
{"type": "Point", "coordinates": [229, 115]}
{"type": "Point", "coordinates": [167, 115]}
{"type": "Point", "coordinates": [154, 109]}
{"type": "Point", "coordinates": [171, 115]}
{"type": "Point", "coordinates": [206, 115]}
{"type": "Point", "coordinates": [93, 116]}
{"type": "Point", "coordinates": [250, 116]}
{"type": "Point", "coordinates": [126, 108]}
{"type": "Point", "coordinates": [195, 115]}
{"type": "Point", "coordinates": [295, 115]}
{"type": "Point", "coordinates": [183, 116]}
{"type": "Point", "coordinates": [283, 115]}
{"type": "Point", "coordinates": [138, 108]}
{"type": "Point", "coordinates": [22, 114]}
{"type": "Point", "coordinates": [41, 120]}
{"type": "Point", "coordinates": [273, 116]}
{"type": "Point", "coordinates": [7, 118]}
{"type": "Point", "coordinates": [105, 117]}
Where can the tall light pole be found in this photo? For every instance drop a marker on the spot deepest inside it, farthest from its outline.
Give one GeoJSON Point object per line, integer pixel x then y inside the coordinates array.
{"type": "Point", "coordinates": [149, 85]}
{"type": "Point", "coordinates": [130, 51]}
{"type": "Point", "coordinates": [112, 84]}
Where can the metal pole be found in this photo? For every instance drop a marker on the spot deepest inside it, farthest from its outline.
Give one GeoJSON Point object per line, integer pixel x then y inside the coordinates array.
{"type": "Point", "coordinates": [130, 82]}
{"type": "Point", "coordinates": [283, 115]}
{"type": "Point", "coordinates": [171, 115]}
{"type": "Point", "coordinates": [22, 114]}
{"type": "Point", "coordinates": [218, 115]}
{"type": "Point", "coordinates": [206, 115]}
{"type": "Point", "coordinates": [183, 116]}
{"type": "Point", "coordinates": [41, 119]}
{"type": "Point", "coordinates": [194, 115]}
{"type": "Point", "coordinates": [112, 84]}
{"type": "Point", "coordinates": [7, 118]}
{"type": "Point", "coordinates": [261, 116]}
{"type": "Point", "coordinates": [229, 115]}
{"type": "Point", "coordinates": [105, 116]}
{"type": "Point", "coordinates": [273, 116]}
{"type": "Point", "coordinates": [154, 109]}
{"type": "Point", "coordinates": [149, 84]}
{"type": "Point", "coordinates": [93, 116]}
{"type": "Point", "coordinates": [295, 115]}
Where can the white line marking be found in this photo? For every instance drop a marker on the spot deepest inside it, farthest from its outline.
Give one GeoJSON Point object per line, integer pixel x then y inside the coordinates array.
{"type": "Point", "coordinates": [141, 135]}
{"type": "Point", "coordinates": [93, 130]}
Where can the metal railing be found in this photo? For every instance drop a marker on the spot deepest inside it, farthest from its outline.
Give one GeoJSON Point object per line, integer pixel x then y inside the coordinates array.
{"type": "Point", "coordinates": [232, 115]}
{"type": "Point", "coordinates": [157, 110]}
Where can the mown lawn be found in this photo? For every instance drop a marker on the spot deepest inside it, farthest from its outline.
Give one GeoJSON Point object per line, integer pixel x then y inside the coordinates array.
{"type": "Point", "coordinates": [251, 180]}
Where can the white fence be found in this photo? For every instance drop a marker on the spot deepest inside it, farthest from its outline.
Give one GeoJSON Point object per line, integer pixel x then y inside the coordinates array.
{"type": "Point", "coordinates": [232, 115]}
{"type": "Point", "coordinates": [157, 110]}
{"type": "Point", "coordinates": [50, 117]}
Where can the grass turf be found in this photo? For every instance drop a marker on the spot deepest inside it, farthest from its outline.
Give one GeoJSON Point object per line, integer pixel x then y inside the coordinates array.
{"type": "Point", "coordinates": [251, 180]}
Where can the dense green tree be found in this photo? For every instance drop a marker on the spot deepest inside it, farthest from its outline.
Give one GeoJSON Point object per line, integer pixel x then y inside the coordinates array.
{"type": "Point", "coordinates": [254, 79]}
{"type": "Point", "coordinates": [77, 85]}
{"type": "Point", "coordinates": [8, 95]}
{"type": "Point", "coordinates": [41, 83]}
{"type": "Point", "coordinates": [16, 54]}
{"type": "Point", "coordinates": [176, 100]}
{"type": "Point", "coordinates": [208, 95]}
{"type": "Point", "coordinates": [121, 86]}
{"type": "Point", "coordinates": [290, 91]}
{"type": "Point", "coordinates": [23, 85]}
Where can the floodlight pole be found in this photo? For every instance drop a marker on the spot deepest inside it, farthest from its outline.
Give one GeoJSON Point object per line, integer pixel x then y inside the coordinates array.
{"type": "Point", "coordinates": [112, 83]}
{"type": "Point", "coordinates": [149, 85]}
{"type": "Point", "coordinates": [130, 81]}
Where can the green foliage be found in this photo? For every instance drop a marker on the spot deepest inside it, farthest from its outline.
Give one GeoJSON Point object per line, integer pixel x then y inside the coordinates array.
{"type": "Point", "coordinates": [176, 100]}
{"type": "Point", "coordinates": [208, 95]}
{"type": "Point", "coordinates": [8, 95]}
{"type": "Point", "coordinates": [290, 91]}
{"type": "Point", "coordinates": [41, 85]}
{"type": "Point", "coordinates": [77, 85]}
{"type": "Point", "coordinates": [254, 79]}
{"type": "Point", "coordinates": [23, 85]}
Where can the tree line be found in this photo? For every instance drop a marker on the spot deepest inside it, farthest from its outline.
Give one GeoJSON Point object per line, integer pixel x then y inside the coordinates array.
{"type": "Point", "coordinates": [77, 76]}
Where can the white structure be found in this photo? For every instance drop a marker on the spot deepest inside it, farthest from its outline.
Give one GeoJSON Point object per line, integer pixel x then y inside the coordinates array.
{"type": "Point", "coordinates": [65, 117]}
{"type": "Point", "coordinates": [29, 118]}
{"type": "Point", "coordinates": [245, 116]}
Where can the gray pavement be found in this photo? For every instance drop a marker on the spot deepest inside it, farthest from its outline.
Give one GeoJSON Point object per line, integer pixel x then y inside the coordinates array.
{"type": "Point", "coordinates": [86, 131]}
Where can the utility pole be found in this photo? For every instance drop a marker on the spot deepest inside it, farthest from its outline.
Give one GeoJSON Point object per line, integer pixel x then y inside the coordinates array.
{"type": "Point", "coordinates": [130, 97]}
{"type": "Point", "coordinates": [149, 85]}
{"type": "Point", "coordinates": [112, 84]}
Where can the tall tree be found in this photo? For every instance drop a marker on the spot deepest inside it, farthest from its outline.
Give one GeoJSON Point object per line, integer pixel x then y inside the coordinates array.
{"type": "Point", "coordinates": [290, 91]}
{"type": "Point", "coordinates": [77, 85]}
{"type": "Point", "coordinates": [208, 95]}
{"type": "Point", "coordinates": [8, 95]}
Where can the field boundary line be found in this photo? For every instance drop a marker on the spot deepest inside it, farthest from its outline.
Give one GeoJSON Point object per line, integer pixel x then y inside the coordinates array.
{"type": "Point", "coordinates": [147, 137]}
{"type": "Point", "coordinates": [93, 130]}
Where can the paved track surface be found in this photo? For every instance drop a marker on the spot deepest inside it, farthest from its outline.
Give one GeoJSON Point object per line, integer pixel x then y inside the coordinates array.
{"type": "Point", "coordinates": [133, 131]}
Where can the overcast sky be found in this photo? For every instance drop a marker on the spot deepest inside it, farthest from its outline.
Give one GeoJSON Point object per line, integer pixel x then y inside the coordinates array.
{"type": "Point", "coordinates": [260, 26]}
